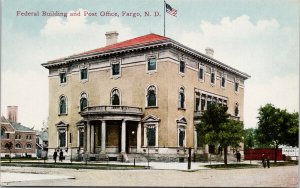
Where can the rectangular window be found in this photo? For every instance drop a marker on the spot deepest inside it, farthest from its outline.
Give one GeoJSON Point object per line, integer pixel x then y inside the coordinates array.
{"type": "Point", "coordinates": [115, 69]}
{"type": "Point", "coordinates": [151, 136]}
{"type": "Point", "coordinates": [223, 82]}
{"type": "Point", "coordinates": [151, 64]}
{"type": "Point", "coordinates": [197, 104]}
{"type": "Point", "coordinates": [83, 74]}
{"type": "Point", "coordinates": [81, 137]}
{"type": "Point", "coordinates": [182, 67]}
{"type": "Point", "coordinates": [212, 77]}
{"type": "Point", "coordinates": [62, 138]}
{"type": "Point", "coordinates": [63, 77]}
{"type": "Point", "coordinates": [236, 87]}
{"type": "Point", "coordinates": [181, 137]}
{"type": "Point", "coordinates": [202, 104]}
{"type": "Point", "coordinates": [7, 135]}
{"type": "Point", "coordinates": [201, 73]}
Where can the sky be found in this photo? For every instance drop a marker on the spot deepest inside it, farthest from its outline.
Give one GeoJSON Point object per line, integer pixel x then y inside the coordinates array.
{"type": "Point", "coordinates": [258, 37]}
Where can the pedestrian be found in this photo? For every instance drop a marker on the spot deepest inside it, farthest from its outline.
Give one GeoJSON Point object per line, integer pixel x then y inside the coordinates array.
{"type": "Point", "coordinates": [61, 155]}
{"type": "Point", "coordinates": [263, 161]}
{"type": "Point", "coordinates": [238, 156]}
{"type": "Point", "coordinates": [55, 156]}
{"type": "Point", "coordinates": [268, 162]}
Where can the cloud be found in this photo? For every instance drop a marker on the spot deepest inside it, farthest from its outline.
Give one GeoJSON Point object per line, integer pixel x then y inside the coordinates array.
{"type": "Point", "coordinates": [25, 81]}
{"type": "Point", "coordinates": [281, 91]}
{"type": "Point", "coordinates": [28, 91]}
{"type": "Point", "coordinates": [265, 50]}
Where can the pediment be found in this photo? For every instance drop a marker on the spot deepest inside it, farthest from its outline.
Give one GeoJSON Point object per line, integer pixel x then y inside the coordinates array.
{"type": "Point", "coordinates": [80, 122]}
{"type": "Point", "coordinates": [150, 118]}
{"type": "Point", "coordinates": [61, 124]}
{"type": "Point", "coordinates": [181, 121]}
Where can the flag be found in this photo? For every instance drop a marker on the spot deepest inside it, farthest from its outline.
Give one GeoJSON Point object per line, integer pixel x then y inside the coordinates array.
{"type": "Point", "coordinates": [171, 10]}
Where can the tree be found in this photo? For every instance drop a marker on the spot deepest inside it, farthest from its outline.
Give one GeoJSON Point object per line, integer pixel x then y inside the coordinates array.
{"type": "Point", "coordinates": [217, 128]}
{"type": "Point", "coordinates": [277, 127]}
{"type": "Point", "coordinates": [9, 146]}
{"type": "Point", "coordinates": [249, 138]}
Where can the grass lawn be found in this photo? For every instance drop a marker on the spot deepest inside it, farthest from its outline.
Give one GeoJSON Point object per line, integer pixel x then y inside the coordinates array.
{"type": "Point", "coordinates": [242, 165]}
{"type": "Point", "coordinates": [232, 166]}
{"type": "Point", "coordinates": [104, 166]}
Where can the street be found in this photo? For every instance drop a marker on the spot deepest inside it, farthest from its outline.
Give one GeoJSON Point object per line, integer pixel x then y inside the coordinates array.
{"type": "Point", "coordinates": [286, 176]}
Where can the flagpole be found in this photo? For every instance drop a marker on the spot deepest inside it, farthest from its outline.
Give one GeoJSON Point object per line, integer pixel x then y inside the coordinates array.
{"type": "Point", "coordinates": [164, 18]}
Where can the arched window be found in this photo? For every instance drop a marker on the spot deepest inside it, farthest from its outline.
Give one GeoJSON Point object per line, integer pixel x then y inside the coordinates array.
{"type": "Point", "coordinates": [28, 146]}
{"type": "Point", "coordinates": [151, 96]}
{"type": "Point", "coordinates": [83, 101]}
{"type": "Point", "coordinates": [236, 109]}
{"type": "Point", "coordinates": [18, 146]}
{"type": "Point", "coordinates": [115, 97]}
{"type": "Point", "coordinates": [181, 98]}
{"type": "Point", "coordinates": [62, 105]}
{"type": "Point", "coordinates": [2, 132]}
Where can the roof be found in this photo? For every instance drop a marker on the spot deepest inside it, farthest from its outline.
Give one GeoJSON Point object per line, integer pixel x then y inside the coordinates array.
{"type": "Point", "coordinates": [43, 135]}
{"type": "Point", "coordinates": [132, 42]}
{"type": "Point", "coordinates": [20, 127]}
{"type": "Point", "coordinates": [135, 43]}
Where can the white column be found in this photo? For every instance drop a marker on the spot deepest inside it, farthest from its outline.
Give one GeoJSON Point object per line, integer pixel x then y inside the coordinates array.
{"type": "Point", "coordinates": [123, 140]}
{"type": "Point", "coordinates": [88, 140]}
{"type": "Point", "coordinates": [156, 136]}
{"type": "Point", "coordinates": [206, 148]}
{"type": "Point", "coordinates": [103, 135]}
{"type": "Point", "coordinates": [145, 136]}
{"type": "Point", "coordinates": [195, 139]}
{"type": "Point", "coordinates": [138, 139]}
{"type": "Point", "coordinates": [92, 138]}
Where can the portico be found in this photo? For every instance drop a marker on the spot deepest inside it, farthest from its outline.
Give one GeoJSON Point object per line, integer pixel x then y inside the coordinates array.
{"type": "Point", "coordinates": [112, 129]}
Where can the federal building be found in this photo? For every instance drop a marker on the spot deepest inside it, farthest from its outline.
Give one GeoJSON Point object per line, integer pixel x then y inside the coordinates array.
{"type": "Point", "coordinates": [138, 97]}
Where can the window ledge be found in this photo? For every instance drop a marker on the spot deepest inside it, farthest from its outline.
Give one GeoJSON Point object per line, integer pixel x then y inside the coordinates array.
{"type": "Point", "coordinates": [62, 114]}
{"type": "Point", "coordinates": [151, 71]}
{"type": "Point", "coordinates": [83, 81]}
{"type": "Point", "coordinates": [181, 108]}
{"type": "Point", "coordinates": [115, 76]}
{"type": "Point", "coordinates": [62, 84]}
{"type": "Point", "coordinates": [148, 107]}
{"type": "Point", "coordinates": [182, 74]}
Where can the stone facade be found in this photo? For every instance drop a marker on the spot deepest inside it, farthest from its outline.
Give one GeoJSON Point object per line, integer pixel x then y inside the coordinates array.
{"type": "Point", "coordinates": [124, 127]}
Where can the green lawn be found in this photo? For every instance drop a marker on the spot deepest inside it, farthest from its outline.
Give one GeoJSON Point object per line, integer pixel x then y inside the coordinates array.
{"type": "Point", "coordinates": [104, 166]}
{"type": "Point", "coordinates": [232, 166]}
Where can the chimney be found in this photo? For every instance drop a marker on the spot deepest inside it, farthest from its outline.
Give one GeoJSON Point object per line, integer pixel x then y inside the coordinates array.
{"type": "Point", "coordinates": [111, 37]}
{"type": "Point", "coordinates": [12, 113]}
{"type": "Point", "coordinates": [209, 51]}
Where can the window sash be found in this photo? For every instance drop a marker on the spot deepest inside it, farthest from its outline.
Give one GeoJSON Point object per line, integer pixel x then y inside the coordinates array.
{"type": "Point", "coordinates": [201, 73]}
{"type": "Point", "coordinates": [63, 108]}
{"type": "Point", "coordinates": [151, 98]}
{"type": "Point", "coordinates": [182, 67]}
{"type": "Point", "coordinates": [151, 131]}
{"type": "Point", "coordinates": [212, 78]}
{"type": "Point", "coordinates": [151, 64]}
{"type": "Point", "coordinates": [81, 137]}
{"type": "Point", "coordinates": [116, 69]}
{"type": "Point", "coordinates": [62, 139]}
{"type": "Point", "coordinates": [63, 78]}
{"type": "Point", "coordinates": [115, 99]}
{"type": "Point", "coordinates": [83, 74]}
{"type": "Point", "coordinates": [181, 137]}
{"type": "Point", "coordinates": [83, 103]}
{"type": "Point", "coordinates": [223, 82]}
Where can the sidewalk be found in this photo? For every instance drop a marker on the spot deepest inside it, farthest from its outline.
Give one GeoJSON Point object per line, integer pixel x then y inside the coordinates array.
{"type": "Point", "coordinates": [159, 165]}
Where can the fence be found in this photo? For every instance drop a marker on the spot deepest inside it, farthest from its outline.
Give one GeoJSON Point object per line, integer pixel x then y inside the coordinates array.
{"type": "Point", "coordinates": [256, 154]}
